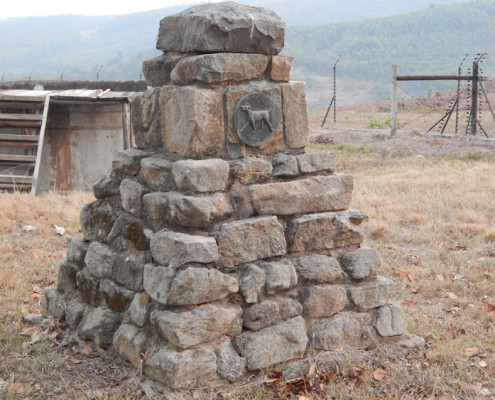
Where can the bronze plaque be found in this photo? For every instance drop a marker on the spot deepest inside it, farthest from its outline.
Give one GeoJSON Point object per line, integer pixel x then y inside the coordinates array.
{"type": "Point", "coordinates": [255, 119]}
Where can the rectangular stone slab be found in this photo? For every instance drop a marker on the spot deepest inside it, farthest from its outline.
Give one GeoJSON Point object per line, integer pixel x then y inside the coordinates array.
{"type": "Point", "coordinates": [315, 194]}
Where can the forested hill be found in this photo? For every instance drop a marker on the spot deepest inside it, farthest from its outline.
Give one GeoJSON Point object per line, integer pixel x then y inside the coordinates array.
{"type": "Point", "coordinates": [431, 41]}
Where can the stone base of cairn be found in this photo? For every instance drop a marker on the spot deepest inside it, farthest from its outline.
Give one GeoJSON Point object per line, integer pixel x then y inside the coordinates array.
{"type": "Point", "coordinates": [218, 246]}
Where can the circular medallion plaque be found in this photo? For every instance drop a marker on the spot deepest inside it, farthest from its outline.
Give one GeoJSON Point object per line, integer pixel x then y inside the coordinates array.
{"type": "Point", "coordinates": [255, 119]}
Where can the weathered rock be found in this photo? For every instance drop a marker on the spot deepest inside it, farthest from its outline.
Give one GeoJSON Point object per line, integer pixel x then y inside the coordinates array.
{"type": "Point", "coordinates": [251, 281]}
{"type": "Point", "coordinates": [269, 312]}
{"type": "Point", "coordinates": [88, 288]}
{"type": "Point", "coordinates": [272, 345]}
{"type": "Point", "coordinates": [157, 70]}
{"type": "Point", "coordinates": [241, 201]}
{"type": "Point", "coordinates": [131, 193]}
{"type": "Point", "coordinates": [97, 219]}
{"type": "Point", "coordinates": [285, 166]}
{"type": "Point", "coordinates": [356, 217]}
{"type": "Point", "coordinates": [315, 194]}
{"type": "Point", "coordinates": [195, 212]}
{"type": "Point", "coordinates": [146, 119]}
{"type": "Point", "coordinates": [73, 314]}
{"type": "Point", "coordinates": [139, 309]}
{"type": "Point", "coordinates": [157, 173]}
{"type": "Point", "coordinates": [200, 285]}
{"type": "Point", "coordinates": [99, 325]}
{"type": "Point", "coordinates": [128, 233]}
{"type": "Point", "coordinates": [281, 68]}
{"type": "Point", "coordinates": [106, 187]}
{"type": "Point", "coordinates": [295, 114]}
{"type": "Point", "coordinates": [192, 121]}
{"type": "Point", "coordinates": [223, 27]}
{"type": "Point", "coordinates": [76, 249]}
{"type": "Point", "coordinates": [175, 249]}
{"type": "Point", "coordinates": [67, 272]}
{"type": "Point", "coordinates": [116, 297]}
{"type": "Point", "coordinates": [128, 162]}
{"type": "Point", "coordinates": [324, 231]}
{"type": "Point", "coordinates": [389, 320]}
{"type": "Point", "coordinates": [229, 364]}
{"type": "Point", "coordinates": [366, 296]}
{"type": "Point", "coordinates": [318, 269]}
{"type": "Point", "coordinates": [128, 271]}
{"type": "Point", "coordinates": [244, 241]}
{"type": "Point", "coordinates": [157, 281]}
{"type": "Point", "coordinates": [181, 370]}
{"type": "Point", "coordinates": [201, 175]}
{"type": "Point", "coordinates": [202, 324]}
{"type": "Point", "coordinates": [296, 369]}
{"type": "Point", "coordinates": [279, 276]}
{"type": "Point", "coordinates": [219, 68]}
{"type": "Point", "coordinates": [316, 162]}
{"type": "Point", "coordinates": [251, 170]}
{"type": "Point", "coordinates": [155, 206]}
{"type": "Point", "coordinates": [360, 263]}
{"type": "Point", "coordinates": [344, 330]}
{"type": "Point", "coordinates": [323, 301]}
{"type": "Point", "coordinates": [129, 342]}
{"type": "Point", "coordinates": [100, 260]}
{"type": "Point", "coordinates": [53, 304]}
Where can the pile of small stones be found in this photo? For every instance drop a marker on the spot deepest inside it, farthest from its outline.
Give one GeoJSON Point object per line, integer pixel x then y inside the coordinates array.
{"type": "Point", "coordinates": [210, 254]}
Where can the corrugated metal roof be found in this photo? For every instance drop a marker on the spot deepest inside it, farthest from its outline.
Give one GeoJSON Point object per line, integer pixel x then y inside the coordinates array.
{"type": "Point", "coordinates": [75, 94]}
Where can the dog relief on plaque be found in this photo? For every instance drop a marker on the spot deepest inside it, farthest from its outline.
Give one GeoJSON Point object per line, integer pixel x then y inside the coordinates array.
{"type": "Point", "coordinates": [255, 119]}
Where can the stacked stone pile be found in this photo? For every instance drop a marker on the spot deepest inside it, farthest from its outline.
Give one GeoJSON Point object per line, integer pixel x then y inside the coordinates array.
{"type": "Point", "coordinates": [218, 246]}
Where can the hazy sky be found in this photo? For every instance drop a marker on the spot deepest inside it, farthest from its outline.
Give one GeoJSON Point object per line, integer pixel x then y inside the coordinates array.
{"type": "Point", "coordinates": [29, 8]}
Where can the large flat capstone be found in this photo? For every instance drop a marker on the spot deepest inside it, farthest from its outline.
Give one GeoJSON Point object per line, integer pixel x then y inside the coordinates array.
{"type": "Point", "coordinates": [223, 27]}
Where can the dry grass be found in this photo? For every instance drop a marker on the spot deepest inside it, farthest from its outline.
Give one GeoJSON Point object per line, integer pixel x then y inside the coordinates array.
{"type": "Point", "coordinates": [431, 219]}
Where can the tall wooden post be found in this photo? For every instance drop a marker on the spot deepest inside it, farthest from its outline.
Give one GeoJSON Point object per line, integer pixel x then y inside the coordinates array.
{"type": "Point", "coordinates": [474, 99]}
{"type": "Point", "coordinates": [393, 101]}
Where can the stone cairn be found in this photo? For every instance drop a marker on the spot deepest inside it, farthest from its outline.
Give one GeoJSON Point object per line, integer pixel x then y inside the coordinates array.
{"type": "Point", "coordinates": [218, 246]}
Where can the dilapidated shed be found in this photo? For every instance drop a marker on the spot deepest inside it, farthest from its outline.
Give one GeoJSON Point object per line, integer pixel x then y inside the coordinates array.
{"type": "Point", "coordinates": [61, 139]}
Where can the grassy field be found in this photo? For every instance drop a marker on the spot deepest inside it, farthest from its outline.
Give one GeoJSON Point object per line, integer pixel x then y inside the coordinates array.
{"type": "Point", "coordinates": [431, 218]}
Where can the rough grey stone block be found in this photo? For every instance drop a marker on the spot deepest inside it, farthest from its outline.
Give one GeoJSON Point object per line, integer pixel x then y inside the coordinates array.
{"type": "Point", "coordinates": [76, 249]}
{"type": "Point", "coordinates": [389, 320]}
{"type": "Point", "coordinates": [316, 162]}
{"type": "Point", "coordinates": [181, 370]}
{"type": "Point", "coordinates": [146, 119]}
{"type": "Point", "coordinates": [247, 240]}
{"type": "Point", "coordinates": [223, 27]}
{"type": "Point", "coordinates": [139, 309]}
{"type": "Point", "coordinates": [366, 296]}
{"type": "Point", "coordinates": [175, 249]}
{"type": "Point", "coordinates": [129, 341]}
{"type": "Point", "coordinates": [318, 269]}
{"type": "Point", "coordinates": [229, 364]}
{"type": "Point", "coordinates": [128, 233]}
{"type": "Point", "coordinates": [201, 175]}
{"type": "Point", "coordinates": [200, 285]}
{"type": "Point", "coordinates": [157, 173]}
{"type": "Point", "coordinates": [107, 187]}
{"type": "Point", "coordinates": [272, 345]}
{"type": "Point", "coordinates": [99, 325]}
{"type": "Point", "coordinates": [295, 114]}
{"type": "Point", "coordinates": [201, 324]}
{"type": "Point", "coordinates": [284, 166]}
{"type": "Point", "coordinates": [97, 219]}
{"type": "Point", "coordinates": [315, 194]}
{"type": "Point", "coordinates": [53, 304]}
{"type": "Point", "coordinates": [88, 288]}
{"type": "Point", "coordinates": [281, 68]}
{"type": "Point", "coordinates": [361, 263]}
{"type": "Point", "coordinates": [100, 260]}
{"type": "Point", "coordinates": [157, 70]}
{"type": "Point", "coordinates": [131, 194]}
{"type": "Point", "coordinates": [251, 281]}
{"type": "Point", "coordinates": [269, 312]}
{"type": "Point", "coordinates": [323, 300]}
{"type": "Point", "coordinates": [128, 271]}
{"type": "Point", "coordinates": [157, 281]}
{"type": "Point", "coordinates": [128, 162]}
{"type": "Point", "coordinates": [67, 272]}
{"type": "Point", "coordinates": [279, 276]}
{"type": "Point", "coordinates": [116, 297]}
{"type": "Point", "coordinates": [251, 170]}
{"type": "Point", "coordinates": [73, 314]}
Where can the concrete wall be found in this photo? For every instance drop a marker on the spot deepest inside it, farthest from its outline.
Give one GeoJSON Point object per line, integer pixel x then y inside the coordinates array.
{"type": "Point", "coordinates": [80, 143]}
